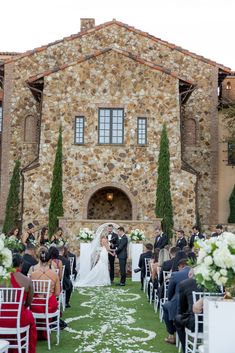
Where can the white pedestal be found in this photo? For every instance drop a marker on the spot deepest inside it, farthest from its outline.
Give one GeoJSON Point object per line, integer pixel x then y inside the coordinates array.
{"type": "Point", "coordinates": [85, 259]}
{"type": "Point", "coordinates": [219, 321]}
{"type": "Point", "coordinates": [136, 250]}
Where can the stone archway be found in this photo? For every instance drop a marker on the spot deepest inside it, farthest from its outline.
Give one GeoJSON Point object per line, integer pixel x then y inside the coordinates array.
{"type": "Point", "coordinates": [123, 207]}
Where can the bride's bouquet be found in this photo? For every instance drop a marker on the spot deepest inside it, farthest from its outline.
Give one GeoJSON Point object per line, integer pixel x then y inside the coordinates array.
{"type": "Point", "coordinates": [137, 235]}
{"type": "Point", "coordinates": [85, 235]}
{"type": "Point", "coordinates": [5, 259]}
{"type": "Point", "coordinates": [215, 265]}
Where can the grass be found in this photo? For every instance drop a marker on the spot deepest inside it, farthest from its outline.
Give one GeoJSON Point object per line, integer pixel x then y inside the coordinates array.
{"type": "Point", "coordinates": [111, 320]}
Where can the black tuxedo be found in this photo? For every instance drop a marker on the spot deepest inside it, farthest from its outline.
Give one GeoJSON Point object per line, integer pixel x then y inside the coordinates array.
{"type": "Point", "coordinates": [185, 317]}
{"type": "Point", "coordinates": [28, 261]}
{"type": "Point", "coordinates": [113, 243]}
{"type": "Point", "coordinates": [161, 241]}
{"type": "Point", "coordinates": [121, 252]}
{"type": "Point", "coordinates": [195, 237]}
{"type": "Point", "coordinates": [181, 242]}
{"type": "Point", "coordinates": [146, 255]}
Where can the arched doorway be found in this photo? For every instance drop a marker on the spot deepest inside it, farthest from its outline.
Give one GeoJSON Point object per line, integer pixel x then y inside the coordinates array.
{"type": "Point", "coordinates": [109, 203]}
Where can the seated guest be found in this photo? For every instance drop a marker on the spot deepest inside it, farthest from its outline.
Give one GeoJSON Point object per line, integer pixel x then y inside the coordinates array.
{"type": "Point", "coordinates": [181, 241]}
{"type": "Point", "coordinates": [28, 236]}
{"type": "Point", "coordinates": [163, 256]}
{"type": "Point", "coordinates": [141, 265]}
{"type": "Point", "coordinates": [190, 254]}
{"type": "Point", "coordinates": [67, 284]}
{"type": "Point", "coordinates": [218, 230]}
{"type": "Point", "coordinates": [185, 317]}
{"type": "Point", "coordinates": [68, 254]}
{"type": "Point", "coordinates": [167, 265]}
{"type": "Point", "coordinates": [18, 280]}
{"type": "Point", "coordinates": [195, 236]}
{"type": "Point", "coordinates": [170, 308]}
{"type": "Point", "coordinates": [55, 262]}
{"type": "Point", "coordinates": [43, 238]}
{"type": "Point", "coordinates": [43, 271]}
{"type": "Point", "coordinates": [161, 239]}
{"type": "Point", "coordinates": [29, 258]}
{"type": "Point", "coordinates": [154, 270]}
{"type": "Point", "coordinates": [179, 255]}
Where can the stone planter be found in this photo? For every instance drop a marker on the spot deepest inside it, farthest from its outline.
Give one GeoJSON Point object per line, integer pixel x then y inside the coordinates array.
{"type": "Point", "coordinates": [219, 316]}
{"type": "Point", "coordinates": [85, 259]}
{"type": "Point", "coordinates": [136, 249]}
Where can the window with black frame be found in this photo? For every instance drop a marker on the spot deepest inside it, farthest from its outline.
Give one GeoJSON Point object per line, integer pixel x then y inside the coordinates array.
{"type": "Point", "coordinates": [79, 130]}
{"type": "Point", "coordinates": [142, 131]}
{"type": "Point", "coordinates": [111, 126]}
{"type": "Point", "coordinates": [231, 153]}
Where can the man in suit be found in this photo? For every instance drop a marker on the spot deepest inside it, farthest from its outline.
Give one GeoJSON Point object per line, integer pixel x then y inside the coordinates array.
{"type": "Point", "coordinates": [121, 252]}
{"type": "Point", "coordinates": [170, 307]}
{"type": "Point", "coordinates": [185, 317]}
{"type": "Point", "coordinates": [195, 236]}
{"type": "Point", "coordinates": [167, 265]}
{"type": "Point", "coordinates": [218, 230]}
{"type": "Point", "coordinates": [29, 258]}
{"type": "Point", "coordinates": [181, 241]}
{"type": "Point", "coordinates": [141, 265]}
{"type": "Point", "coordinates": [113, 243]}
{"type": "Point", "coordinates": [161, 239]}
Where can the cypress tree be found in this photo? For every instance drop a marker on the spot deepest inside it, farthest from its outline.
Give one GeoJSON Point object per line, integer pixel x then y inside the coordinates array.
{"type": "Point", "coordinates": [56, 193]}
{"type": "Point", "coordinates": [13, 201]}
{"type": "Point", "coordinates": [231, 218]}
{"type": "Point", "coordinates": [163, 207]}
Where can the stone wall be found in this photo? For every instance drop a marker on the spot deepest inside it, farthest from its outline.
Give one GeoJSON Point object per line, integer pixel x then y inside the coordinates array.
{"type": "Point", "coordinates": [60, 103]}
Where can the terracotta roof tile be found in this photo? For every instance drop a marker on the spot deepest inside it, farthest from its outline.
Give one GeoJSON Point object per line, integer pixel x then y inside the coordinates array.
{"type": "Point", "coordinates": [103, 51]}
{"type": "Point", "coordinates": [132, 29]}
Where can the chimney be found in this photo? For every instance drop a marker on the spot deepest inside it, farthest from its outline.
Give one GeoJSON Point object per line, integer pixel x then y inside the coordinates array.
{"type": "Point", "coordinates": [87, 23]}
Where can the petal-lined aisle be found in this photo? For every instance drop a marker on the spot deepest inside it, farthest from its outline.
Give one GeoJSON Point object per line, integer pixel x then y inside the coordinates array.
{"type": "Point", "coordinates": [113, 320]}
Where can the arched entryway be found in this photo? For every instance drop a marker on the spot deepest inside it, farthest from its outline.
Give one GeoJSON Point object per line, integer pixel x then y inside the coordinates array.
{"type": "Point", "coordinates": [109, 203]}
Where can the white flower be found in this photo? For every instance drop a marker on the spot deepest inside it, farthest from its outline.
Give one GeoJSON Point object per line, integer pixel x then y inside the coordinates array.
{"type": "Point", "coordinates": [6, 258]}
{"type": "Point", "coordinates": [208, 260]}
{"type": "Point", "coordinates": [1, 244]}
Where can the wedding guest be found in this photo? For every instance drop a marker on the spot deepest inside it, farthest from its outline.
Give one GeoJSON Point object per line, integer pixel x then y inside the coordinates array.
{"type": "Point", "coordinates": [179, 255]}
{"type": "Point", "coordinates": [195, 236]}
{"type": "Point", "coordinates": [218, 231]}
{"type": "Point", "coordinates": [190, 254]}
{"type": "Point", "coordinates": [154, 270]}
{"type": "Point", "coordinates": [181, 241]}
{"type": "Point", "coordinates": [18, 280]}
{"type": "Point", "coordinates": [163, 256]}
{"type": "Point", "coordinates": [170, 308]}
{"type": "Point", "coordinates": [29, 258]}
{"type": "Point", "coordinates": [68, 254]}
{"type": "Point", "coordinates": [67, 284]}
{"type": "Point", "coordinates": [58, 237]}
{"type": "Point", "coordinates": [43, 238]}
{"type": "Point", "coordinates": [28, 236]}
{"type": "Point", "coordinates": [15, 232]}
{"type": "Point", "coordinates": [55, 262]}
{"type": "Point", "coordinates": [113, 243]}
{"type": "Point", "coordinates": [161, 239]}
{"type": "Point", "coordinates": [121, 252]}
{"type": "Point", "coordinates": [141, 265]}
{"type": "Point", "coordinates": [167, 264]}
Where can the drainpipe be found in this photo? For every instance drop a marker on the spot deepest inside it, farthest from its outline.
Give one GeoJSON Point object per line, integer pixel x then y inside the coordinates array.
{"type": "Point", "coordinates": [33, 161]}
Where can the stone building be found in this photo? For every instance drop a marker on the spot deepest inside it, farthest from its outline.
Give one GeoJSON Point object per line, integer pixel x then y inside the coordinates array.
{"type": "Point", "coordinates": [111, 87]}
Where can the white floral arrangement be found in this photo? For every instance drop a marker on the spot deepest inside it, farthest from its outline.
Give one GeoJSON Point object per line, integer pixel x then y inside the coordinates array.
{"type": "Point", "coordinates": [85, 235]}
{"type": "Point", "coordinates": [5, 259]}
{"type": "Point", "coordinates": [137, 235]}
{"type": "Point", "coordinates": [215, 265]}
{"type": "Point", "coordinates": [14, 244]}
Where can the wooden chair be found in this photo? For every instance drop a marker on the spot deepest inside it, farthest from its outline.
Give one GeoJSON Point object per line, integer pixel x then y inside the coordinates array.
{"type": "Point", "coordinates": [45, 321]}
{"type": "Point", "coordinates": [10, 311]}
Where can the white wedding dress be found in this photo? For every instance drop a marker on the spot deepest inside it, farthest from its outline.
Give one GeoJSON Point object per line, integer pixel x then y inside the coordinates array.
{"type": "Point", "coordinates": [99, 274]}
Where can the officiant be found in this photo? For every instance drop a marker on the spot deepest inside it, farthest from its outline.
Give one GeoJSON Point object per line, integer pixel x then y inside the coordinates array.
{"type": "Point", "coordinates": [113, 243]}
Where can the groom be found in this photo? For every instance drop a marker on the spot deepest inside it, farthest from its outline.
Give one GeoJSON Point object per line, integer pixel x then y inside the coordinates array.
{"type": "Point", "coordinates": [121, 252]}
{"type": "Point", "coordinates": [113, 243]}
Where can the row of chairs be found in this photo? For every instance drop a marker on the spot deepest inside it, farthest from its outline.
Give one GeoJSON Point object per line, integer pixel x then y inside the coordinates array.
{"type": "Point", "coordinates": [11, 301]}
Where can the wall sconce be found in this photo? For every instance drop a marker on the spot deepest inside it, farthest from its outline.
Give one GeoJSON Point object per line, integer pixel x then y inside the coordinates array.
{"type": "Point", "coordinates": [228, 86]}
{"type": "Point", "coordinates": [109, 196]}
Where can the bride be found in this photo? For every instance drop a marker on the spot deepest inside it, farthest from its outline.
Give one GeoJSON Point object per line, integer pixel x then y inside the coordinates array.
{"type": "Point", "coordinates": [99, 274]}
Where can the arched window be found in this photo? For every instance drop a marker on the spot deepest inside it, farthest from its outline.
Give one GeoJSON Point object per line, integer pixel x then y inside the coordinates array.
{"type": "Point", "coordinates": [30, 129]}
{"type": "Point", "coordinates": [228, 85]}
{"type": "Point", "coordinates": [190, 132]}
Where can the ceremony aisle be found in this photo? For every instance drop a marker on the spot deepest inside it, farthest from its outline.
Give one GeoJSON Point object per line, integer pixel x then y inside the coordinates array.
{"type": "Point", "coordinates": [111, 320]}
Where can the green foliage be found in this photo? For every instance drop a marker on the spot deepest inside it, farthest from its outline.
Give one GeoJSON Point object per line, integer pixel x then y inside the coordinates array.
{"type": "Point", "coordinates": [229, 120]}
{"type": "Point", "coordinates": [231, 218]}
{"type": "Point", "coordinates": [13, 201]}
{"type": "Point", "coordinates": [56, 203]}
{"type": "Point", "coordinates": [163, 207]}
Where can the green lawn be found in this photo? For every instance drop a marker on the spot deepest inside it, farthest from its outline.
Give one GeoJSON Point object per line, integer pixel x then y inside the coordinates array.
{"type": "Point", "coordinates": [111, 320]}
